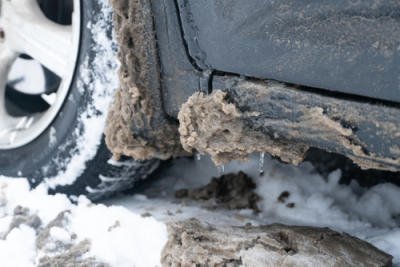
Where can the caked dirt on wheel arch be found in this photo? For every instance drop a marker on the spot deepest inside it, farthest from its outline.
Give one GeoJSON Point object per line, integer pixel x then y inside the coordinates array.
{"type": "Point", "coordinates": [138, 127]}
{"type": "Point", "coordinates": [136, 109]}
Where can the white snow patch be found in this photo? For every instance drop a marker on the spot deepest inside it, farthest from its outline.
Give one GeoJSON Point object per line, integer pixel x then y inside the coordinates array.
{"type": "Point", "coordinates": [118, 237]}
{"type": "Point", "coordinates": [135, 241]}
{"type": "Point", "coordinates": [18, 249]}
{"type": "Point", "coordinates": [60, 234]}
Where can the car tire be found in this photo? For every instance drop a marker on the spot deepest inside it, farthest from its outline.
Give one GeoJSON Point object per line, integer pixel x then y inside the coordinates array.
{"type": "Point", "coordinates": [70, 156]}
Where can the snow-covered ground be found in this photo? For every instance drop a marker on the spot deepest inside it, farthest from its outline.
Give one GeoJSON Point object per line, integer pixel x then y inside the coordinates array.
{"type": "Point", "coordinates": [131, 230]}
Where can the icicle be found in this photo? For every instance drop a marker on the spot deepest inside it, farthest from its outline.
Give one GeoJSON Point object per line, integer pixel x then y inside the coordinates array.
{"type": "Point", "coordinates": [221, 169]}
{"type": "Point", "coordinates": [198, 157]}
{"type": "Point", "coordinates": [261, 164]}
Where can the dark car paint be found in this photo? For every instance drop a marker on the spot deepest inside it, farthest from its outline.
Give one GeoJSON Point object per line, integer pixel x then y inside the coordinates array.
{"type": "Point", "coordinates": [202, 42]}
{"type": "Point", "coordinates": [346, 46]}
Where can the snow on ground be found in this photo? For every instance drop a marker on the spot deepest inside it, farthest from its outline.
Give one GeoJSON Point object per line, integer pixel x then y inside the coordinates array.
{"type": "Point", "coordinates": [130, 230]}
{"type": "Point", "coordinates": [118, 236]}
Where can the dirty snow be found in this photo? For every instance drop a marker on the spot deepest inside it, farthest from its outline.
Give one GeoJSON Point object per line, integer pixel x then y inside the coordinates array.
{"type": "Point", "coordinates": [130, 230]}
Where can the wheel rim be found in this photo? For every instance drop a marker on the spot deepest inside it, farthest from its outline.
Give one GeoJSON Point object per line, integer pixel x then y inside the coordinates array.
{"type": "Point", "coordinates": [25, 30]}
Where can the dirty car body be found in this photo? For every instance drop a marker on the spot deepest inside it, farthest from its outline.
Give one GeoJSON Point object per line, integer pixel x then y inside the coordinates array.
{"type": "Point", "coordinates": [322, 74]}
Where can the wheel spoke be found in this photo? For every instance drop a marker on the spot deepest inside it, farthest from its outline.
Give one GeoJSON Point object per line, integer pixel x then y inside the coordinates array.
{"type": "Point", "coordinates": [7, 123]}
{"type": "Point", "coordinates": [30, 32]}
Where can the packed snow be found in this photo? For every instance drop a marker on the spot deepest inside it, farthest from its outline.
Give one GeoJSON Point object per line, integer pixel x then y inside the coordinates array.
{"type": "Point", "coordinates": [130, 230]}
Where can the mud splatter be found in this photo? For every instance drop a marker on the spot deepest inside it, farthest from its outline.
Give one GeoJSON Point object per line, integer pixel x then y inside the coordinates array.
{"type": "Point", "coordinates": [230, 191]}
{"type": "Point", "coordinates": [324, 122]}
{"type": "Point", "coordinates": [211, 125]}
{"type": "Point", "coordinates": [193, 243]}
{"type": "Point", "coordinates": [137, 125]}
{"type": "Point", "coordinates": [283, 196]}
